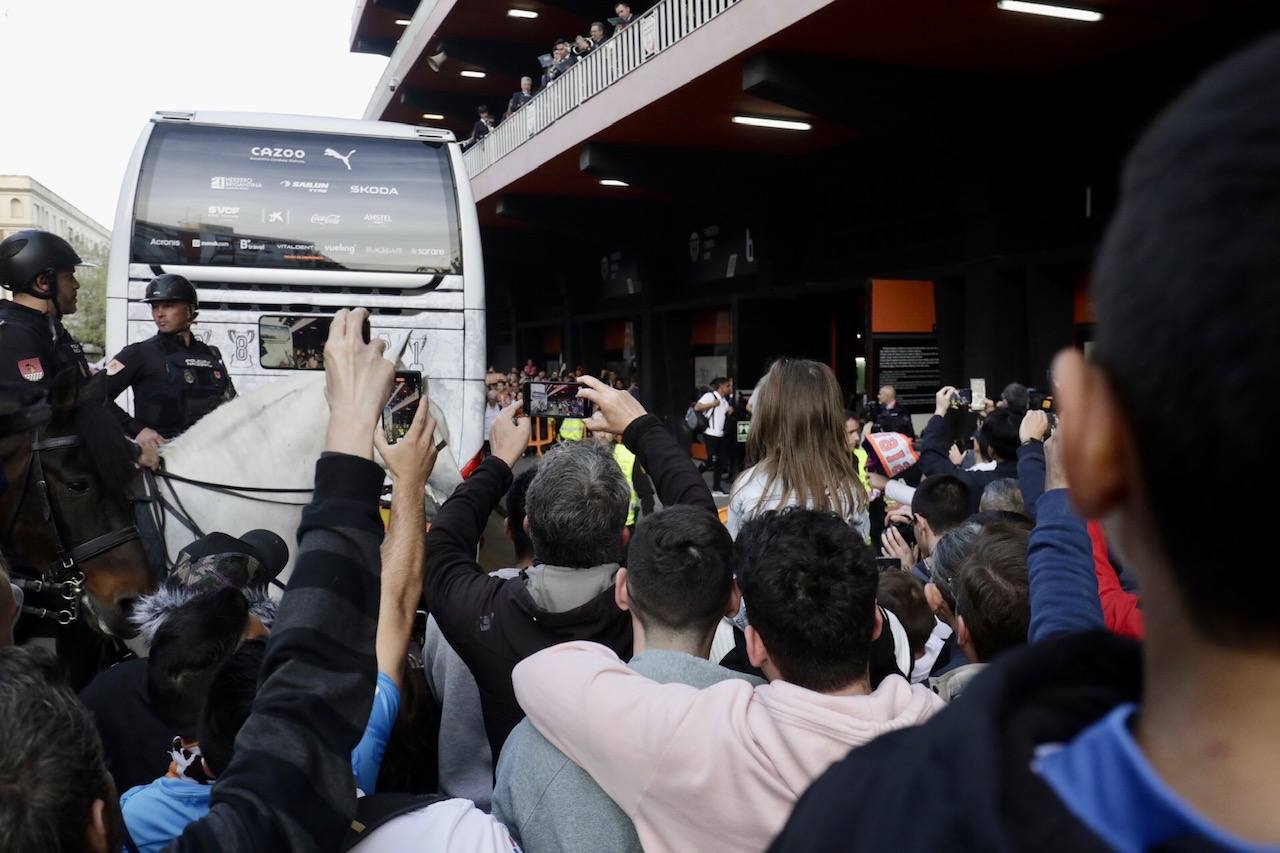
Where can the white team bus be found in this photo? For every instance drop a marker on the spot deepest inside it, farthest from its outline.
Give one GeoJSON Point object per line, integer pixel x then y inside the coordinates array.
{"type": "Point", "coordinates": [277, 219]}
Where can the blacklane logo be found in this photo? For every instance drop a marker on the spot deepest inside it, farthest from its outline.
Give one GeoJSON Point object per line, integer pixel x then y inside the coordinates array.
{"type": "Point", "coordinates": [345, 158]}
{"type": "Point", "coordinates": [278, 155]}
{"type": "Point", "coordinates": [372, 190]}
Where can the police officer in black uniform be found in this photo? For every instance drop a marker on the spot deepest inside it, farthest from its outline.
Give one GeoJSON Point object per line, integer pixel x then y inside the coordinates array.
{"type": "Point", "coordinates": [39, 268]}
{"type": "Point", "coordinates": [176, 378]}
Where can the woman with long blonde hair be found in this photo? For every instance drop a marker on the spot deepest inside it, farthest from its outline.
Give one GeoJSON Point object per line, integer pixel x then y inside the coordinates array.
{"type": "Point", "coordinates": [798, 449]}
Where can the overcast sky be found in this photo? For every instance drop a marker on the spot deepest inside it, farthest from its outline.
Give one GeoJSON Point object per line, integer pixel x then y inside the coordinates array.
{"type": "Point", "coordinates": [81, 77]}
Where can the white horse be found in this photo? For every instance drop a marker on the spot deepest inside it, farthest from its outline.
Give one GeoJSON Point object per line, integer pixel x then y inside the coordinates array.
{"type": "Point", "coordinates": [268, 438]}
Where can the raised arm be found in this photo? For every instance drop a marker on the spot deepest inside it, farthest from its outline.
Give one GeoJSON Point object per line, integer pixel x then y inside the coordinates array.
{"type": "Point", "coordinates": [457, 589]}
{"type": "Point", "coordinates": [1063, 583]}
{"type": "Point", "coordinates": [672, 470]}
{"type": "Point", "coordinates": [289, 786]}
{"type": "Point", "coordinates": [1031, 468]}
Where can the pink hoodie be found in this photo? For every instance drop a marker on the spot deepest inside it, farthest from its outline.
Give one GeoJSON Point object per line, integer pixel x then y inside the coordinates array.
{"type": "Point", "coordinates": [713, 769]}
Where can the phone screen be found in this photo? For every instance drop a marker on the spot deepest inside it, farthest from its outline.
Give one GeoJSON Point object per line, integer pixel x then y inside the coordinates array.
{"type": "Point", "coordinates": [554, 400]}
{"type": "Point", "coordinates": [888, 564]}
{"type": "Point", "coordinates": [406, 394]}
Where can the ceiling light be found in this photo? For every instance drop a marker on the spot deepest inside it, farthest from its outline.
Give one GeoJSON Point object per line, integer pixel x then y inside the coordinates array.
{"type": "Point", "coordinates": [475, 74]}
{"type": "Point", "coordinates": [521, 13]}
{"type": "Point", "coordinates": [613, 182]}
{"type": "Point", "coordinates": [433, 116]}
{"type": "Point", "coordinates": [403, 22]}
{"type": "Point", "coordinates": [779, 124]}
{"type": "Point", "coordinates": [1051, 11]}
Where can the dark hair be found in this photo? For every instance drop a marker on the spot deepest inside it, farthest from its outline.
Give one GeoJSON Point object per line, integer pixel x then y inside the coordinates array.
{"type": "Point", "coordinates": [989, 517]}
{"type": "Point", "coordinates": [1015, 394]}
{"type": "Point", "coordinates": [598, 24]}
{"type": "Point", "coordinates": [902, 594]}
{"type": "Point", "coordinates": [992, 591]}
{"type": "Point", "coordinates": [810, 586]}
{"type": "Point", "coordinates": [188, 648]}
{"type": "Point", "coordinates": [229, 704]}
{"type": "Point", "coordinates": [410, 762]}
{"type": "Point", "coordinates": [943, 501]}
{"type": "Point", "coordinates": [482, 109]}
{"type": "Point", "coordinates": [516, 512]}
{"type": "Point", "coordinates": [718, 381]}
{"type": "Point", "coordinates": [998, 435]}
{"type": "Point", "coordinates": [52, 767]}
{"type": "Point", "coordinates": [1003, 495]}
{"type": "Point", "coordinates": [1200, 202]}
{"type": "Point", "coordinates": [679, 569]}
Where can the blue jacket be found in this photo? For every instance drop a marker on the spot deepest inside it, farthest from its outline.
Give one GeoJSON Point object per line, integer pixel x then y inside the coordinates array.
{"type": "Point", "coordinates": [156, 814]}
{"type": "Point", "coordinates": [1063, 584]}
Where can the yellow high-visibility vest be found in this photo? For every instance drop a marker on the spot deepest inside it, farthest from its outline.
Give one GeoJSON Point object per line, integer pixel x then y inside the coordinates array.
{"type": "Point", "coordinates": [627, 462]}
{"type": "Point", "coordinates": [572, 429]}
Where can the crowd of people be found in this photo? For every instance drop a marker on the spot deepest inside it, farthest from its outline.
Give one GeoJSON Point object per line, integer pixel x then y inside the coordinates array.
{"type": "Point", "coordinates": [565, 53]}
{"type": "Point", "coordinates": [888, 644]}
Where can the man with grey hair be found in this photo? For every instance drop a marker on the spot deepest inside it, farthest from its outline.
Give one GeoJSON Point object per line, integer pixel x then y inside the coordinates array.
{"type": "Point", "coordinates": [1003, 495]}
{"type": "Point", "coordinates": [524, 96]}
{"type": "Point", "coordinates": [576, 513]}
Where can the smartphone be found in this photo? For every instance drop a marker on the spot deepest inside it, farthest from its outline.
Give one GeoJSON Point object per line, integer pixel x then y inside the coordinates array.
{"type": "Point", "coordinates": [977, 390]}
{"type": "Point", "coordinates": [406, 394]}
{"type": "Point", "coordinates": [962, 398]}
{"type": "Point", "coordinates": [555, 400]}
{"type": "Point", "coordinates": [888, 564]}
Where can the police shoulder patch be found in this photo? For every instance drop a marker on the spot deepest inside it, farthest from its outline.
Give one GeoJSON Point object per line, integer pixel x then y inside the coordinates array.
{"type": "Point", "coordinates": [114, 366]}
{"type": "Point", "coordinates": [31, 369]}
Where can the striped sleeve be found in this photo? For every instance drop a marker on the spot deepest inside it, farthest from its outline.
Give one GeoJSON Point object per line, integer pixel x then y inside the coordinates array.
{"type": "Point", "coordinates": [289, 785]}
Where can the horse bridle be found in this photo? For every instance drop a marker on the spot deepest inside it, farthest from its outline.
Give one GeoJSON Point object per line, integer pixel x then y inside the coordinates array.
{"type": "Point", "coordinates": [64, 575]}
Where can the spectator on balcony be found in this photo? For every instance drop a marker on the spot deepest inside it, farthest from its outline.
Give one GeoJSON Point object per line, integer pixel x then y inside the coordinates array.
{"type": "Point", "coordinates": [623, 11]}
{"type": "Point", "coordinates": [524, 96]}
{"type": "Point", "coordinates": [582, 46]}
{"type": "Point", "coordinates": [482, 126]}
{"type": "Point", "coordinates": [597, 34]}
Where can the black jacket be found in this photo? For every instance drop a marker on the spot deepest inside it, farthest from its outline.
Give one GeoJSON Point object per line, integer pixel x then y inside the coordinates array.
{"type": "Point", "coordinates": [963, 780]}
{"type": "Point", "coordinates": [494, 623]}
{"type": "Point", "coordinates": [934, 443]}
{"type": "Point", "coordinates": [174, 383]}
{"type": "Point", "coordinates": [34, 349]}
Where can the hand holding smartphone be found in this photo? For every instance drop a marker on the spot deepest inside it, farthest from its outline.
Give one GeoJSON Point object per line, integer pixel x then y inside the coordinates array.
{"type": "Point", "coordinates": [555, 400]}
{"type": "Point", "coordinates": [406, 395]}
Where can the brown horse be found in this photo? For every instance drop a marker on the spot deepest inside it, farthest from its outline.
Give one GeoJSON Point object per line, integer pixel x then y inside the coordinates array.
{"type": "Point", "coordinates": [66, 523]}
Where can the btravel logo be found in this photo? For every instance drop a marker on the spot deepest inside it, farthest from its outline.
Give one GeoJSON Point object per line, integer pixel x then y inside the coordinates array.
{"type": "Point", "coordinates": [251, 246]}
{"type": "Point", "coordinates": [345, 158]}
{"type": "Point", "coordinates": [364, 189]}
{"type": "Point", "coordinates": [268, 154]}
{"type": "Point", "coordinates": [225, 182]}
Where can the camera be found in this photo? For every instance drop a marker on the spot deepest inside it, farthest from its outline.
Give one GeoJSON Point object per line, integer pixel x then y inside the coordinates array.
{"type": "Point", "coordinates": [1039, 400]}
{"type": "Point", "coordinates": [907, 531]}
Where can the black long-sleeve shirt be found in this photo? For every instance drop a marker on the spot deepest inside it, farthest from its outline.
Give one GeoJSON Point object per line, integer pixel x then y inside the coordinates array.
{"type": "Point", "coordinates": [289, 785]}
{"type": "Point", "coordinates": [933, 461]}
{"type": "Point", "coordinates": [494, 623]}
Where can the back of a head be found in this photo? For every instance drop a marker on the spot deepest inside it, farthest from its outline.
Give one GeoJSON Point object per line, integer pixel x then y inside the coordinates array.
{"type": "Point", "coordinates": [943, 501]}
{"type": "Point", "coordinates": [52, 767]}
{"type": "Point", "coordinates": [1187, 289]}
{"type": "Point", "coordinates": [991, 591]}
{"type": "Point", "coordinates": [229, 704]}
{"type": "Point", "coordinates": [809, 582]}
{"type": "Point", "coordinates": [516, 497]}
{"type": "Point", "coordinates": [1015, 396]}
{"type": "Point", "coordinates": [949, 554]}
{"type": "Point", "coordinates": [186, 652]}
{"type": "Point", "coordinates": [679, 570]}
{"type": "Point", "coordinates": [998, 435]}
{"type": "Point", "coordinates": [577, 506]}
{"type": "Point", "coordinates": [902, 594]}
{"type": "Point", "coordinates": [797, 437]}
{"type": "Point", "coordinates": [1003, 495]}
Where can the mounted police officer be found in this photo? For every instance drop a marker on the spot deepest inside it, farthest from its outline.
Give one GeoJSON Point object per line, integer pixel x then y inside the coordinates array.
{"type": "Point", "coordinates": [39, 268]}
{"type": "Point", "coordinates": [176, 378]}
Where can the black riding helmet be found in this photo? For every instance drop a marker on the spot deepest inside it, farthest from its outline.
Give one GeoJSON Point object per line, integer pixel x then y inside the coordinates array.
{"type": "Point", "coordinates": [26, 254]}
{"type": "Point", "coordinates": [171, 288]}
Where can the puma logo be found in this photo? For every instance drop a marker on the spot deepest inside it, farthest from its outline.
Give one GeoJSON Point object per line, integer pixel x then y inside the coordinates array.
{"type": "Point", "coordinates": [346, 160]}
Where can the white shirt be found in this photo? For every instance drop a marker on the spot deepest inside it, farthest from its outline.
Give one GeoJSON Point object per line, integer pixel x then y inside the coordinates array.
{"type": "Point", "coordinates": [447, 825]}
{"type": "Point", "coordinates": [749, 500]}
{"type": "Point", "coordinates": [716, 415]}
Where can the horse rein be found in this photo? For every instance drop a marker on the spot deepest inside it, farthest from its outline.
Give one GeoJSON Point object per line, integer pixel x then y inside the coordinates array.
{"type": "Point", "coordinates": [64, 575]}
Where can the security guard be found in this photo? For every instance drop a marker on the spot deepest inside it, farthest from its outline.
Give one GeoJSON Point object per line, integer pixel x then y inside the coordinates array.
{"type": "Point", "coordinates": [176, 378]}
{"type": "Point", "coordinates": [39, 268]}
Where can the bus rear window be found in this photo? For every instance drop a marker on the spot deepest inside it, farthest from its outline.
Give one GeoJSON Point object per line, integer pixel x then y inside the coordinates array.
{"type": "Point", "coordinates": [282, 199]}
